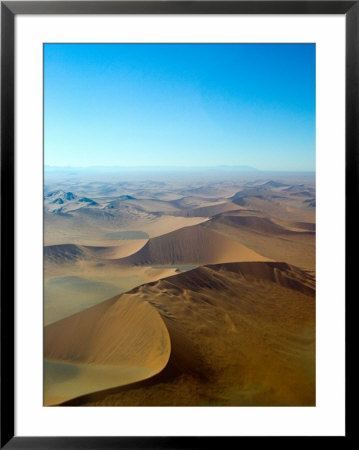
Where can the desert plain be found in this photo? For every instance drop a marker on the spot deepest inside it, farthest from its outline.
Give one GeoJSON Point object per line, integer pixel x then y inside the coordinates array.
{"type": "Point", "coordinates": [179, 288]}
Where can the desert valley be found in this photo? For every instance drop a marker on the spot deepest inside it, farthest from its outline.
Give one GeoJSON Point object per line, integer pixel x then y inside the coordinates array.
{"type": "Point", "coordinates": [179, 288]}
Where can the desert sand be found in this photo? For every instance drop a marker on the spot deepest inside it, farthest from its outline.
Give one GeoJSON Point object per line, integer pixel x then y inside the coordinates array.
{"type": "Point", "coordinates": [232, 334]}
{"type": "Point", "coordinates": [191, 245]}
{"type": "Point", "coordinates": [180, 292]}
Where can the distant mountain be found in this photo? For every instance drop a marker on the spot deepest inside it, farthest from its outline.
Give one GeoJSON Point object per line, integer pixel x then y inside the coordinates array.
{"type": "Point", "coordinates": [54, 194]}
{"type": "Point", "coordinates": [58, 201]}
{"type": "Point", "coordinates": [88, 201]}
{"type": "Point", "coordinates": [126, 197]}
{"type": "Point", "coordinates": [67, 200]}
{"type": "Point", "coordinates": [61, 195]}
{"type": "Point", "coordinates": [70, 196]}
{"type": "Point", "coordinates": [258, 192]}
{"type": "Point", "coordinates": [273, 184]}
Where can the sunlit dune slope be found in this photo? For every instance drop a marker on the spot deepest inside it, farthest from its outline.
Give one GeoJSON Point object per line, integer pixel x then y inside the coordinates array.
{"type": "Point", "coordinates": [240, 333]}
{"type": "Point", "coordinates": [280, 208]}
{"type": "Point", "coordinates": [123, 330]}
{"type": "Point", "coordinates": [278, 240]}
{"type": "Point", "coordinates": [192, 245]}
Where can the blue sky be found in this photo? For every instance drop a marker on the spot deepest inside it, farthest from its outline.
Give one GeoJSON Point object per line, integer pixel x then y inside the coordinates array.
{"type": "Point", "coordinates": [180, 105]}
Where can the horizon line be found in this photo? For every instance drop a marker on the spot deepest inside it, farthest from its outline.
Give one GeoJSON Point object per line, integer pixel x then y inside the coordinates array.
{"type": "Point", "coordinates": [243, 167]}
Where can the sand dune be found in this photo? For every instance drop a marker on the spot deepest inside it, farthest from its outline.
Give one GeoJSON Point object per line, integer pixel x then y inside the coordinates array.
{"type": "Point", "coordinates": [279, 208]}
{"type": "Point", "coordinates": [191, 202]}
{"type": "Point", "coordinates": [121, 249]}
{"type": "Point", "coordinates": [300, 190]}
{"type": "Point", "coordinates": [269, 237]}
{"type": "Point", "coordinates": [258, 224]}
{"type": "Point", "coordinates": [296, 226]}
{"type": "Point", "coordinates": [210, 210]}
{"type": "Point", "coordinates": [191, 245]}
{"type": "Point", "coordinates": [240, 334]}
{"type": "Point", "coordinates": [64, 381]}
{"type": "Point", "coordinates": [166, 224]}
{"type": "Point", "coordinates": [151, 205]}
{"type": "Point", "coordinates": [122, 331]}
{"type": "Point", "coordinates": [69, 253]}
{"type": "Point", "coordinates": [70, 288]}
{"type": "Point", "coordinates": [87, 230]}
{"type": "Point", "coordinates": [273, 184]}
{"type": "Point", "coordinates": [64, 253]}
{"type": "Point", "coordinates": [211, 191]}
{"type": "Point", "coordinates": [237, 330]}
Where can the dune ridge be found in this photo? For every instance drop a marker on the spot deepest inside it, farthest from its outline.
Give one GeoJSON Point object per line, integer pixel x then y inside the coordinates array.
{"type": "Point", "coordinates": [275, 239]}
{"type": "Point", "coordinates": [225, 323]}
{"type": "Point", "coordinates": [190, 245]}
{"type": "Point", "coordinates": [108, 333]}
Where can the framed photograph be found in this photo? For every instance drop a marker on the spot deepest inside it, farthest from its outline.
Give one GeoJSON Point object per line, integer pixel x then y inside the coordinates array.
{"type": "Point", "coordinates": [175, 182]}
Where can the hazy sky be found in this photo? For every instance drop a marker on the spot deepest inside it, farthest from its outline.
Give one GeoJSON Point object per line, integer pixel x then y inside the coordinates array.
{"type": "Point", "coordinates": [180, 105]}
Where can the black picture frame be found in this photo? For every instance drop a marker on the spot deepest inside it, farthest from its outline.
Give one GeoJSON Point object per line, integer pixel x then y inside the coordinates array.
{"type": "Point", "coordinates": [9, 9]}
